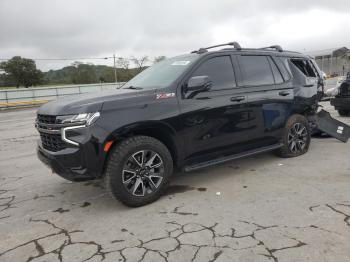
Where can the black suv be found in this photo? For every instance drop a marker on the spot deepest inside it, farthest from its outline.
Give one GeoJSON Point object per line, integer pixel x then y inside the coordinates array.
{"type": "Point", "coordinates": [184, 113]}
{"type": "Point", "coordinates": [341, 102]}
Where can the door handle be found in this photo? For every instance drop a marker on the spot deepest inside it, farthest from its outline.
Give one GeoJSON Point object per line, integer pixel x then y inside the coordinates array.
{"type": "Point", "coordinates": [237, 98]}
{"type": "Point", "coordinates": [284, 93]}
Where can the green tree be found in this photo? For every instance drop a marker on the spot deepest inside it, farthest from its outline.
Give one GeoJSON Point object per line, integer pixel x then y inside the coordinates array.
{"type": "Point", "coordinates": [107, 75]}
{"type": "Point", "coordinates": [83, 73]}
{"type": "Point", "coordinates": [22, 71]}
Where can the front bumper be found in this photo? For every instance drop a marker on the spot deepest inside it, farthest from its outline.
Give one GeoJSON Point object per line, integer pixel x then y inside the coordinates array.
{"type": "Point", "coordinates": [342, 103]}
{"type": "Point", "coordinates": [80, 162]}
{"type": "Point", "coordinates": [67, 163]}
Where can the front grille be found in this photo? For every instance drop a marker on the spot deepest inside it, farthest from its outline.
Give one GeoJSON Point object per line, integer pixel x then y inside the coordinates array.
{"type": "Point", "coordinates": [50, 134]}
{"type": "Point", "coordinates": [46, 119]}
{"type": "Point", "coordinates": [52, 142]}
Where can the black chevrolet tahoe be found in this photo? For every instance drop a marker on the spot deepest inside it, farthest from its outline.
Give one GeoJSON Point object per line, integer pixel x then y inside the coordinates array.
{"type": "Point", "coordinates": [185, 113]}
{"type": "Point", "coordinates": [341, 101]}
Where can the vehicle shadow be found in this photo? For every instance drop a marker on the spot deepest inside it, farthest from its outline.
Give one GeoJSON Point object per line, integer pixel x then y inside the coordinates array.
{"type": "Point", "coordinates": [93, 194]}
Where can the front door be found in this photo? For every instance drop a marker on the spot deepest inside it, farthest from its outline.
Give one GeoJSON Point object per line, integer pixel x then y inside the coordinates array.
{"type": "Point", "coordinates": [214, 119]}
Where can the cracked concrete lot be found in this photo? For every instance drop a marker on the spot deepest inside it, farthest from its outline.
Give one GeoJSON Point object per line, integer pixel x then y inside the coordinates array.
{"type": "Point", "coordinates": [268, 209]}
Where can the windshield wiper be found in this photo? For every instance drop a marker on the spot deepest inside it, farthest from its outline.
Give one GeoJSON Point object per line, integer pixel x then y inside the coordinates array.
{"type": "Point", "coordinates": [133, 87]}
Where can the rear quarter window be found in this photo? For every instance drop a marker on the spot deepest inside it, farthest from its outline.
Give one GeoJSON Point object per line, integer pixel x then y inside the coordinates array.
{"type": "Point", "coordinates": [304, 66]}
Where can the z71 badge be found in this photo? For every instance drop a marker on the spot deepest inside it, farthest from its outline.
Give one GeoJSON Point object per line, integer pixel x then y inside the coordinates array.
{"type": "Point", "coordinates": [165, 95]}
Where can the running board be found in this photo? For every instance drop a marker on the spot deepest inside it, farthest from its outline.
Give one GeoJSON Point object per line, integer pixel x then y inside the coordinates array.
{"type": "Point", "coordinates": [231, 157]}
{"type": "Point", "coordinates": [332, 126]}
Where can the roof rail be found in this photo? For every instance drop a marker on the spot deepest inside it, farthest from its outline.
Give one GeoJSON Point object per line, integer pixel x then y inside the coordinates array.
{"type": "Point", "coordinates": [236, 45]}
{"type": "Point", "coordinates": [277, 47]}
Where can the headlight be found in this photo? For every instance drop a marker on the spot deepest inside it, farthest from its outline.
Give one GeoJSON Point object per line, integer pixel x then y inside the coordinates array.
{"type": "Point", "coordinates": [86, 119]}
{"type": "Point", "coordinates": [76, 121]}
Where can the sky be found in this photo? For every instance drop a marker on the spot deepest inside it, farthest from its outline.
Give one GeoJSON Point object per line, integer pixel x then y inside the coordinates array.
{"type": "Point", "coordinates": [100, 28]}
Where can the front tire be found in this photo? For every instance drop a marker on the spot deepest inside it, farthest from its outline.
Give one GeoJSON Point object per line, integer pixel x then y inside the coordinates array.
{"type": "Point", "coordinates": [296, 137]}
{"type": "Point", "coordinates": [138, 170]}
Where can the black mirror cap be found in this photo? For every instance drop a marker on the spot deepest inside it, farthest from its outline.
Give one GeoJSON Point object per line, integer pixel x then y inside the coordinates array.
{"type": "Point", "coordinates": [199, 83]}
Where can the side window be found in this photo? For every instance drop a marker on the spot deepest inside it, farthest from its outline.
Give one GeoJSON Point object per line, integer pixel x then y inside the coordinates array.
{"type": "Point", "coordinates": [276, 72]}
{"type": "Point", "coordinates": [315, 67]}
{"type": "Point", "coordinates": [220, 71]}
{"type": "Point", "coordinates": [304, 66]}
{"type": "Point", "coordinates": [282, 68]}
{"type": "Point", "coordinates": [256, 71]}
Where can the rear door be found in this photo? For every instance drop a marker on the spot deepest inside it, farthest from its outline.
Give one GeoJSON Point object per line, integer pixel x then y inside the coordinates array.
{"type": "Point", "coordinates": [269, 94]}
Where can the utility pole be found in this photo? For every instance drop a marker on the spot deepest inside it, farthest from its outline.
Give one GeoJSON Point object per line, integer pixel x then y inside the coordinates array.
{"type": "Point", "coordinates": [115, 70]}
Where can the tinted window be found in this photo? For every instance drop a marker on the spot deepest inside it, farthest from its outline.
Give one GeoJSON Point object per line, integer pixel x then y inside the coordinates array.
{"type": "Point", "coordinates": [256, 70]}
{"type": "Point", "coordinates": [282, 68]}
{"type": "Point", "coordinates": [220, 71]}
{"type": "Point", "coordinates": [276, 72]}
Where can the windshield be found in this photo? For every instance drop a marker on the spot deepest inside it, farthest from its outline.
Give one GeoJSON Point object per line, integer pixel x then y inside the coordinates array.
{"type": "Point", "coordinates": [161, 74]}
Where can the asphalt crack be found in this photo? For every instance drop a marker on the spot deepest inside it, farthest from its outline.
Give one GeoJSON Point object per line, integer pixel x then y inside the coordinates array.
{"type": "Point", "coordinates": [176, 236]}
{"type": "Point", "coordinates": [333, 207]}
{"type": "Point", "coordinates": [346, 216]}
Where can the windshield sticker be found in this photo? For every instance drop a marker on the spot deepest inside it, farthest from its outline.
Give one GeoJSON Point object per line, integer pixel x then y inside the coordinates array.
{"type": "Point", "coordinates": [181, 63]}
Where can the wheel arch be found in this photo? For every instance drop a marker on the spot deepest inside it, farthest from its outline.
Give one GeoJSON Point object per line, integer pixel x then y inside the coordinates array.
{"type": "Point", "coordinates": [156, 129]}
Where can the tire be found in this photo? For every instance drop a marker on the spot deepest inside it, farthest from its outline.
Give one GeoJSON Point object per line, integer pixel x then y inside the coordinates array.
{"type": "Point", "coordinates": [296, 137]}
{"type": "Point", "coordinates": [132, 177]}
{"type": "Point", "coordinates": [343, 112]}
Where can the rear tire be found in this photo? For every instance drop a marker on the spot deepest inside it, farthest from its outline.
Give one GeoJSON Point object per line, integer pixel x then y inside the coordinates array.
{"type": "Point", "coordinates": [138, 170]}
{"type": "Point", "coordinates": [343, 112]}
{"type": "Point", "coordinates": [296, 137]}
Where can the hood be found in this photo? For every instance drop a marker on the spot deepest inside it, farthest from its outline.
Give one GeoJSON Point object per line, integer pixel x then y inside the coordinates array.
{"type": "Point", "coordinates": [87, 103]}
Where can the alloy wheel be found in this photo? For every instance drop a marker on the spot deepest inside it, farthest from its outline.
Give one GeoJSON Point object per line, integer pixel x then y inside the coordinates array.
{"type": "Point", "coordinates": [143, 173]}
{"type": "Point", "coordinates": [297, 138]}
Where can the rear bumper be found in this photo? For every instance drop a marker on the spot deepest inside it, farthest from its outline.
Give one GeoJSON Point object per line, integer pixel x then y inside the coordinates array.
{"type": "Point", "coordinates": [342, 103]}
{"type": "Point", "coordinates": [333, 127]}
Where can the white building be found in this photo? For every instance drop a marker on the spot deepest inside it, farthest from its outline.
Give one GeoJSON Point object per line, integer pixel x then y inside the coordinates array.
{"type": "Point", "coordinates": [333, 61]}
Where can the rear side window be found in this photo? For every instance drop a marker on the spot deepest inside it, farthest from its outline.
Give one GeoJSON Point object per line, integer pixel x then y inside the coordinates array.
{"type": "Point", "coordinates": [282, 68]}
{"type": "Point", "coordinates": [304, 66]}
{"type": "Point", "coordinates": [315, 67]}
{"type": "Point", "coordinates": [220, 71]}
{"type": "Point", "coordinates": [256, 70]}
{"type": "Point", "coordinates": [276, 72]}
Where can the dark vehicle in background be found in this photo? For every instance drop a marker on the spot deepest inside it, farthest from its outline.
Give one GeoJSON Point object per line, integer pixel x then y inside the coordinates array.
{"type": "Point", "coordinates": [341, 101]}
{"type": "Point", "coordinates": [184, 113]}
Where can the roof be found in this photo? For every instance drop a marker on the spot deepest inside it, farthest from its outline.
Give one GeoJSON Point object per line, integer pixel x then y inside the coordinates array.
{"type": "Point", "coordinates": [284, 53]}
{"type": "Point", "coordinates": [274, 49]}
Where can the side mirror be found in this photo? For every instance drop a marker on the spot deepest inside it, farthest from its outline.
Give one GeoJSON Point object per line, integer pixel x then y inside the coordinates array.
{"type": "Point", "coordinates": [199, 84]}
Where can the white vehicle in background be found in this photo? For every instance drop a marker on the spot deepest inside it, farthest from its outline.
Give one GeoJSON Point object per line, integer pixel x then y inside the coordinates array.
{"type": "Point", "coordinates": [335, 90]}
